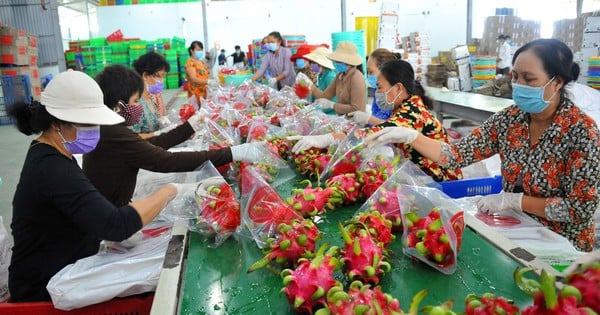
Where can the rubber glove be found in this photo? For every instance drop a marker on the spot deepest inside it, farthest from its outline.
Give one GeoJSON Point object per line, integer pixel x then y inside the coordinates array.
{"type": "Point", "coordinates": [198, 122]}
{"type": "Point", "coordinates": [392, 135]}
{"type": "Point", "coordinates": [361, 118]}
{"type": "Point", "coordinates": [248, 152]}
{"type": "Point", "coordinates": [301, 77]}
{"type": "Point", "coordinates": [186, 189]}
{"type": "Point", "coordinates": [307, 142]}
{"type": "Point", "coordinates": [503, 201]}
{"type": "Point", "coordinates": [585, 259]}
{"type": "Point", "coordinates": [324, 103]}
{"type": "Point", "coordinates": [273, 83]}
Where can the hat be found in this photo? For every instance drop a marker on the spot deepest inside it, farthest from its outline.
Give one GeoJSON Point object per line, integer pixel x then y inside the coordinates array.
{"type": "Point", "coordinates": [302, 50]}
{"type": "Point", "coordinates": [74, 97]}
{"type": "Point", "coordinates": [346, 52]}
{"type": "Point", "coordinates": [501, 37]}
{"type": "Point", "coordinates": [319, 56]}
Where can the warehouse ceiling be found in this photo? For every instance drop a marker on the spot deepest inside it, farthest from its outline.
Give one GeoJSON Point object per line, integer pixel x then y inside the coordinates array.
{"type": "Point", "coordinates": [79, 5]}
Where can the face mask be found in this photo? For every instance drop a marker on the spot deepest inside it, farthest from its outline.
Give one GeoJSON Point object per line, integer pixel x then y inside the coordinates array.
{"type": "Point", "coordinates": [340, 67]}
{"type": "Point", "coordinates": [381, 99]}
{"type": "Point", "coordinates": [530, 99]}
{"type": "Point", "coordinates": [86, 140]}
{"type": "Point", "coordinates": [372, 79]}
{"type": "Point", "coordinates": [199, 54]}
{"type": "Point", "coordinates": [131, 112]}
{"type": "Point", "coordinates": [300, 63]}
{"type": "Point", "coordinates": [272, 46]}
{"type": "Point", "coordinates": [315, 68]}
{"type": "Point", "coordinates": [156, 87]}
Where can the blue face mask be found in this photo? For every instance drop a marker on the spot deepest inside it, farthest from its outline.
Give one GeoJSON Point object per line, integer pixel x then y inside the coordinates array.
{"type": "Point", "coordinates": [382, 102]}
{"type": "Point", "coordinates": [372, 80]}
{"type": "Point", "coordinates": [340, 67]}
{"type": "Point", "coordinates": [300, 63]}
{"type": "Point", "coordinates": [272, 46]}
{"type": "Point", "coordinates": [199, 54]}
{"type": "Point", "coordinates": [530, 99]}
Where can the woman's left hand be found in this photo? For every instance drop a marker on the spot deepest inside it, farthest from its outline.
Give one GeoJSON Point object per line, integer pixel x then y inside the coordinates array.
{"type": "Point", "coordinates": [503, 201]}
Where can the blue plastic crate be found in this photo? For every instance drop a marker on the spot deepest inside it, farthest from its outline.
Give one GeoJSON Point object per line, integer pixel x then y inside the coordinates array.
{"type": "Point", "coordinates": [472, 186]}
{"type": "Point", "coordinates": [16, 88]}
{"type": "Point", "coordinates": [6, 120]}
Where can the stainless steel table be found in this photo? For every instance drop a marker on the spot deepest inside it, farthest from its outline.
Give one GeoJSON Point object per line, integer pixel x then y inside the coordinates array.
{"type": "Point", "coordinates": [471, 106]}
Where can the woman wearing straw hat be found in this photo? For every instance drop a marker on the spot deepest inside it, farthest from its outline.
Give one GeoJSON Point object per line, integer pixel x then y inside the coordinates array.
{"type": "Point", "coordinates": [323, 66]}
{"type": "Point", "coordinates": [58, 215]}
{"type": "Point", "coordinates": [276, 66]}
{"type": "Point", "coordinates": [349, 85]}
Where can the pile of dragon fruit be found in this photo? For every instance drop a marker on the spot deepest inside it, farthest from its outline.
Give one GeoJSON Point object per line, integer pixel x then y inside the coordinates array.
{"type": "Point", "coordinates": [284, 226]}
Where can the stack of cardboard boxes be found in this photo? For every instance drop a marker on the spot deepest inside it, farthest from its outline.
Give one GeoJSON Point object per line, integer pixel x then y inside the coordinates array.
{"type": "Point", "coordinates": [590, 45]}
{"type": "Point", "coordinates": [417, 51]}
{"type": "Point", "coordinates": [520, 32]}
{"type": "Point", "coordinates": [18, 56]}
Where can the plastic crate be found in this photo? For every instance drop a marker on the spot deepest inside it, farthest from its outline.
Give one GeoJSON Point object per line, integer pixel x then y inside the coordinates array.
{"type": "Point", "coordinates": [15, 88]}
{"type": "Point", "coordinates": [472, 186]}
{"type": "Point", "coordinates": [136, 305]}
{"type": "Point", "coordinates": [237, 79]}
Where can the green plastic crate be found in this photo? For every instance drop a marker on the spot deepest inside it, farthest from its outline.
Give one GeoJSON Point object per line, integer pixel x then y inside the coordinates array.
{"type": "Point", "coordinates": [98, 41]}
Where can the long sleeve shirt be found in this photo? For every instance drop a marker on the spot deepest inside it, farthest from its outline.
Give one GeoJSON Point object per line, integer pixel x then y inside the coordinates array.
{"type": "Point", "coordinates": [277, 63]}
{"type": "Point", "coordinates": [350, 89]}
{"type": "Point", "coordinates": [58, 218]}
{"type": "Point", "coordinates": [504, 56]}
{"type": "Point", "coordinates": [562, 167]}
{"type": "Point", "coordinates": [114, 164]}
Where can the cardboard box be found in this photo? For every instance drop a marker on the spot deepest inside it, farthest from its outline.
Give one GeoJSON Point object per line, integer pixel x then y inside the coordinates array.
{"type": "Point", "coordinates": [14, 55]}
{"type": "Point", "coordinates": [592, 24]}
{"type": "Point", "coordinates": [590, 40]}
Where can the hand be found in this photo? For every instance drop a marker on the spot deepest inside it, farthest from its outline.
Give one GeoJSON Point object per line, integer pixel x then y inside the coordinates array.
{"type": "Point", "coordinates": [197, 121]}
{"type": "Point", "coordinates": [392, 135]}
{"type": "Point", "coordinates": [503, 201]}
{"type": "Point", "coordinates": [248, 152]}
{"type": "Point", "coordinates": [273, 83]}
{"type": "Point", "coordinates": [307, 142]}
{"type": "Point", "coordinates": [185, 189]}
{"type": "Point", "coordinates": [301, 77]}
{"type": "Point", "coordinates": [361, 118]}
{"type": "Point", "coordinates": [324, 103]}
{"type": "Point", "coordinates": [583, 260]}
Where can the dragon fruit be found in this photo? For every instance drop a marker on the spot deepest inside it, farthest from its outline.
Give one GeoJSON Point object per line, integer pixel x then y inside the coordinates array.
{"type": "Point", "coordinates": [312, 162]}
{"type": "Point", "coordinates": [488, 304]}
{"type": "Point", "coordinates": [280, 146]}
{"type": "Point", "coordinates": [346, 185]}
{"type": "Point", "coordinates": [311, 201]}
{"type": "Point", "coordinates": [428, 237]}
{"type": "Point", "coordinates": [587, 279]}
{"type": "Point", "coordinates": [379, 227]}
{"type": "Point", "coordinates": [386, 202]}
{"type": "Point", "coordinates": [294, 240]}
{"type": "Point", "coordinates": [306, 286]}
{"type": "Point", "coordinates": [348, 164]}
{"type": "Point", "coordinates": [363, 256]}
{"type": "Point", "coordinates": [371, 180]}
{"type": "Point", "coordinates": [361, 299]}
{"type": "Point", "coordinates": [547, 300]}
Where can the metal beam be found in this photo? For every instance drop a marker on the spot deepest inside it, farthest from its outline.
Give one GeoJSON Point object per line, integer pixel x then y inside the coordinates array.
{"type": "Point", "coordinates": [205, 25]}
{"type": "Point", "coordinates": [469, 21]}
{"type": "Point", "coordinates": [343, 9]}
{"type": "Point", "coordinates": [579, 7]}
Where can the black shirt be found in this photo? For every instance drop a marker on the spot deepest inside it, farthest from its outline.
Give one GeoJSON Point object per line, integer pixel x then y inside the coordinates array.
{"type": "Point", "coordinates": [238, 58]}
{"type": "Point", "coordinates": [58, 218]}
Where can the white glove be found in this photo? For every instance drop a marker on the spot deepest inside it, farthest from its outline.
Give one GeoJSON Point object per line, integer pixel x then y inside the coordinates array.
{"type": "Point", "coordinates": [273, 83]}
{"type": "Point", "coordinates": [585, 259]}
{"type": "Point", "coordinates": [197, 121]}
{"type": "Point", "coordinates": [248, 152]}
{"type": "Point", "coordinates": [304, 78]}
{"type": "Point", "coordinates": [392, 135]}
{"type": "Point", "coordinates": [361, 118]}
{"type": "Point", "coordinates": [324, 103]}
{"type": "Point", "coordinates": [503, 201]}
{"type": "Point", "coordinates": [307, 142]}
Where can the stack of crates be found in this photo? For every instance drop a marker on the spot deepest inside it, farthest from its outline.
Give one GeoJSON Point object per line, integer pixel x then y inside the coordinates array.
{"type": "Point", "coordinates": [172, 80]}
{"type": "Point", "coordinates": [136, 49]}
{"type": "Point", "coordinates": [183, 56]}
{"type": "Point", "coordinates": [120, 53]}
{"type": "Point", "coordinates": [103, 56]}
{"type": "Point", "coordinates": [14, 88]}
{"type": "Point", "coordinates": [156, 46]}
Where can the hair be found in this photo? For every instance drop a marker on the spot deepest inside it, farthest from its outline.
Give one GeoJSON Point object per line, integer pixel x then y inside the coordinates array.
{"type": "Point", "coordinates": [556, 58]}
{"type": "Point", "coordinates": [151, 63]}
{"type": "Point", "coordinates": [119, 83]}
{"type": "Point", "coordinates": [193, 45]}
{"type": "Point", "coordinates": [277, 36]}
{"type": "Point", "coordinates": [382, 55]}
{"type": "Point", "coordinates": [31, 118]}
{"type": "Point", "coordinates": [400, 71]}
{"type": "Point", "coordinates": [237, 47]}
{"type": "Point", "coordinates": [222, 50]}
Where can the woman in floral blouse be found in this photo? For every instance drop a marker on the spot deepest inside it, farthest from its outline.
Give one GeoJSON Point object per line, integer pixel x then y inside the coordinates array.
{"type": "Point", "coordinates": [410, 109]}
{"type": "Point", "coordinates": [197, 72]}
{"type": "Point", "coordinates": [549, 148]}
{"type": "Point", "coordinates": [153, 68]}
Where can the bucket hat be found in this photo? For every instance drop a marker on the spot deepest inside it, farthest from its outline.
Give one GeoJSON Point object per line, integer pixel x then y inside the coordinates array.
{"type": "Point", "coordinates": [319, 56]}
{"type": "Point", "coordinates": [346, 52]}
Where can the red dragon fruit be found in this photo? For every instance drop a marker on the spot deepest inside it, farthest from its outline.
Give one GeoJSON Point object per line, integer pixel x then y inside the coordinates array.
{"type": "Point", "coordinates": [363, 256]}
{"type": "Point", "coordinates": [306, 286]}
{"type": "Point", "coordinates": [371, 180]}
{"type": "Point", "coordinates": [379, 227]}
{"type": "Point", "coordinates": [346, 185]}
{"type": "Point", "coordinates": [587, 279]}
{"type": "Point", "coordinates": [386, 202]}
{"type": "Point", "coordinates": [312, 162]}
{"type": "Point", "coordinates": [428, 237]}
{"type": "Point", "coordinates": [294, 240]}
{"type": "Point", "coordinates": [220, 208]}
{"type": "Point", "coordinates": [280, 146]}
{"type": "Point", "coordinates": [488, 304]}
{"type": "Point", "coordinates": [311, 201]}
{"type": "Point", "coordinates": [348, 164]}
{"type": "Point", "coordinates": [547, 300]}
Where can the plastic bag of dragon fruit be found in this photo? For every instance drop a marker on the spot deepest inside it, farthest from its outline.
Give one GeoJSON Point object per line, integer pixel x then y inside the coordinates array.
{"type": "Point", "coordinates": [262, 207]}
{"type": "Point", "coordinates": [272, 168]}
{"type": "Point", "coordinates": [433, 225]}
{"type": "Point", "coordinates": [217, 136]}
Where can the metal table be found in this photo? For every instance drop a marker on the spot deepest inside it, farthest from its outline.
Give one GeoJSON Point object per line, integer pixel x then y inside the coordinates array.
{"type": "Point", "coordinates": [471, 106]}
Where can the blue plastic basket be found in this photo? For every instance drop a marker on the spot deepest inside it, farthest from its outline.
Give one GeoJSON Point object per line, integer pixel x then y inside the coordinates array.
{"type": "Point", "coordinates": [16, 88]}
{"type": "Point", "coordinates": [472, 186]}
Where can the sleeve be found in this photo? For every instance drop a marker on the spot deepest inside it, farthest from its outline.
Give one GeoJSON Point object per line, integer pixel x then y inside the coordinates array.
{"type": "Point", "coordinates": [263, 65]}
{"type": "Point", "coordinates": [288, 66]}
{"type": "Point", "coordinates": [173, 137]}
{"type": "Point", "coordinates": [580, 180]}
{"type": "Point", "coordinates": [329, 93]}
{"type": "Point", "coordinates": [71, 192]}
{"type": "Point", "coordinates": [358, 96]}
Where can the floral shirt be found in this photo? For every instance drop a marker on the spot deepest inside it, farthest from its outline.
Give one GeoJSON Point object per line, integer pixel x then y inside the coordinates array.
{"type": "Point", "coordinates": [150, 117]}
{"type": "Point", "coordinates": [414, 114]}
{"type": "Point", "coordinates": [199, 90]}
{"type": "Point", "coordinates": [562, 167]}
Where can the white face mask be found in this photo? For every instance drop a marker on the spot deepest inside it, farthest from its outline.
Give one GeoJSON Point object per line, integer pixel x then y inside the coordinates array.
{"type": "Point", "coordinates": [382, 102]}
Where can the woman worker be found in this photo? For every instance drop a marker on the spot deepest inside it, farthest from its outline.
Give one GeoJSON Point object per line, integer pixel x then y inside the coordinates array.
{"type": "Point", "coordinates": [549, 148]}
{"type": "Point", "coordinates": [410, 109]}
{"type": "Point", "coordinates": [197, 72]}
{"type": "Point", "coordinates": [379, 112]}
{"type": "Point", "coordinates": [276, 66]}
{"type": "Point", "coordinates": [349, 85]}
{"type": "Point", "coordinates": [113, 166]}
{"type": "Point", "coordinates": [153, 68]}
{"type": "Point", "coordinates": [322, 66]}
{"type": "Point", "coordinates": [58, 215]}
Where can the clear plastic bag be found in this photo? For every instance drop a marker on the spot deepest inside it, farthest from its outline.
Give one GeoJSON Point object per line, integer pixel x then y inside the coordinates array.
{"type": "Point", "coordinates": [302, 85]}
{"type": "Point", "coordinates": [5, 254]}
{"type": "Point", "coordinates": [433, 224]}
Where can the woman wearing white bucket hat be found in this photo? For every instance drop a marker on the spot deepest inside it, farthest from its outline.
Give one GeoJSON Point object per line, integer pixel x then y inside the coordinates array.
{"type": "Point", "coordinates": [323, 66]}
{"type": "Point", "coordinates": [349, 85]}
{"type": "Point", "coordinates": [58, 215]}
